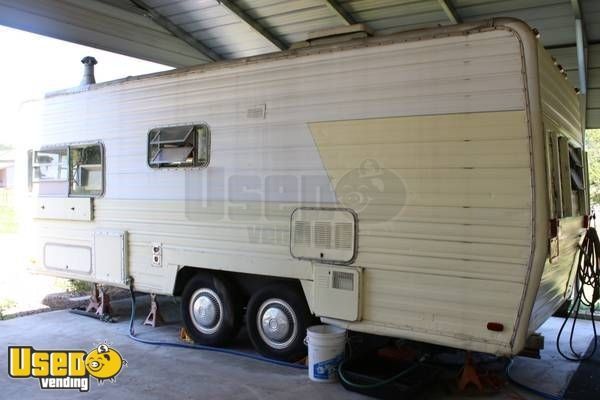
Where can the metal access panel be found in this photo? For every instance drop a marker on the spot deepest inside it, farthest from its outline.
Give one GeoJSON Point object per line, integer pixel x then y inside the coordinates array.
{"type": "Point", "coordinates": [337, 292]}
{"type": "Point", "coordinates": [68, 258]}
{"type": "Point", "coordinates": [110, 256]}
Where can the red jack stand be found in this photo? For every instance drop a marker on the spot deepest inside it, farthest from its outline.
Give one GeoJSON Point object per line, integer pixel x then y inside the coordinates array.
{"type": "Point", "coordinates": [99, 302]}
{"type": "Point", "coordinates": [185, 336]}
{"type": "Point", "coordinates": [468, 375]}
{"type": "Point", "coordinates": [154, 318]}
{"type": "Point", "coordinates": [94, 303]}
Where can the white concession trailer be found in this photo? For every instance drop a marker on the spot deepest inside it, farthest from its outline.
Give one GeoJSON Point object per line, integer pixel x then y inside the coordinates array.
{"type": "Point", "coordinates": [428, 185]}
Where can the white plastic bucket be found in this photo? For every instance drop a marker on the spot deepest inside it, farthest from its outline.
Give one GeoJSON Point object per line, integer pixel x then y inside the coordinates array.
{"type": "Point", "coordinates": [326, 345]}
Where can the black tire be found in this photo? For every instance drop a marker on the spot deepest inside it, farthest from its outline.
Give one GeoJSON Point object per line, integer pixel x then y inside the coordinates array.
{"type": "Point", "coordinates": [218, 293]}
{"type": "Point", "coordinates": [279, 299]}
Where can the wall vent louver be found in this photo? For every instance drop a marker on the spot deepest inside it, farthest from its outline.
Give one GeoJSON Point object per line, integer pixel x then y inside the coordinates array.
{"type": "Point", "coordinates": [327, 235]}
{"type": "Point", "coordinates": [302, 234]}
{"type": "Point", "coordinates": [343, 280]}
{"type": "Point", "coordinates": [344, 233]}
{"type": "Point", "coordinates": [322, 234]}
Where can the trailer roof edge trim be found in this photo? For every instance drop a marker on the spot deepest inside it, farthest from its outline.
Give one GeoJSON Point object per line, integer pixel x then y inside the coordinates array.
{"type": "Point", "coordinates": [406, 36]}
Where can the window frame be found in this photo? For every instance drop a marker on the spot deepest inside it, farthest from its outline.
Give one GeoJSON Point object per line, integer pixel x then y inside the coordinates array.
{"type": "Point", "coordinates": [554, 175]}
{"type": "Point", "coordinates": [49, 149]}
{"type": "Point", "coordinates": [572, 201]}
{"type": "Point", "coordinates": [69, 180]}
{"type": "Point", "coordinates": [197, 128]}
{"type": "Point", "coordinates": [102, 168]}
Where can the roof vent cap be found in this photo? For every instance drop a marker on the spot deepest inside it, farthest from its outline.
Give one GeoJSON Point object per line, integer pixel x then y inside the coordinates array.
{"type": "Point", "coordinates": [88, 70]}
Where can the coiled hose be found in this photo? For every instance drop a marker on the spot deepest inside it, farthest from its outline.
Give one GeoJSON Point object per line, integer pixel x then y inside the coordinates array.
{"type": "Point", "coordinates": [587, 274]}
{"type": "Point", "coordinates": [347, 381]}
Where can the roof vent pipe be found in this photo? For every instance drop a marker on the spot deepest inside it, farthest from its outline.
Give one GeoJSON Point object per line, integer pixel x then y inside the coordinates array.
{"type": "Point", "coordinates": [88, 71]}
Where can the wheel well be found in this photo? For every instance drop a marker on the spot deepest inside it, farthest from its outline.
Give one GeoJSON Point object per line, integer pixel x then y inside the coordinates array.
{"type": "Point", "coordinates": [245, 283]}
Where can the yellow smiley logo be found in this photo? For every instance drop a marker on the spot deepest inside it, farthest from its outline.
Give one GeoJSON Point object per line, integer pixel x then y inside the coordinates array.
{"type": "Point", "coordinates": [104, 363]}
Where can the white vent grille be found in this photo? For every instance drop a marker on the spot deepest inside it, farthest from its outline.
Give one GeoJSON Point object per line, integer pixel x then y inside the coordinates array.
{"type": "Point", "coordinates": [343, 280]}
{"type": "Point", "coordinates": [302, 233]}
{"type": "Point", "coordinates": [323, 234]}
{"type": "Point", "coordinates": [344, 233]}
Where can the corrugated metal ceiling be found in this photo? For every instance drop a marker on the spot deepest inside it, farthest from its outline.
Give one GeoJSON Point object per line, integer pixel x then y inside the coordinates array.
{"type": "Point", "coordinates": [213, 24]}
{"type": "Point", "coordinates": [188, 32]}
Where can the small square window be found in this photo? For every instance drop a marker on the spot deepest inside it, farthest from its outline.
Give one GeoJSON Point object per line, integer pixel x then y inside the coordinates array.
{"type": "Point", "coordinates": [179, 146]}
{"type": "Point", "coordinates": [87, 172]}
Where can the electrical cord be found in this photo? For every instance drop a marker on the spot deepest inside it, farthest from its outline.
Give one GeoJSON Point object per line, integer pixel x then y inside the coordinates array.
{"type": "Point", "coordinates": [198, 346]}
{"type": "Point", "coordinates": [587, 274]}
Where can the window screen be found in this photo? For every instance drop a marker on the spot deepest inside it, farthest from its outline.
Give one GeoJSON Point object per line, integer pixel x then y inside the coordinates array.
{"type": "Point", "coordinates": [86, 170]}
{"type": "Point", "coordinates": [179, 146]}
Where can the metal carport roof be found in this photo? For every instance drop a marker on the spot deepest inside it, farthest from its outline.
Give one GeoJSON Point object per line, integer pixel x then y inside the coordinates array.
{"type": "Point", "coordinates": [187, 32]}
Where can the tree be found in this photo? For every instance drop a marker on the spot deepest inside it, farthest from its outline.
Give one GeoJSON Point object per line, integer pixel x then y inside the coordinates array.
{"type": "Point", "coordinates": [593, 149]}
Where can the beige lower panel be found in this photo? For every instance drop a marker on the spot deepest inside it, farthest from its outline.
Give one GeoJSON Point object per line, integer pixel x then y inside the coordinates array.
{"type": "Point", "coordinates": [460, 170]}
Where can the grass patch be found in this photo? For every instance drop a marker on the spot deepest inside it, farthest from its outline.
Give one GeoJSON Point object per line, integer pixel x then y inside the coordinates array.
{"type": "Point", "coordinates": [5, 304]}
{"type": "Point", "coordinates": [8, 214]}
{"type": "Point", "coordinates": [78, 286]}
{"type": "Point", "coordinates": [73, 285]}
{"type": "Point", "coordinates": [8, 219]}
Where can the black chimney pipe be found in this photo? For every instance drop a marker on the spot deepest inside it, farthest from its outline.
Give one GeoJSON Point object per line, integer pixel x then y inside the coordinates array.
{"type": "Point", "coordinates": [88, 70]}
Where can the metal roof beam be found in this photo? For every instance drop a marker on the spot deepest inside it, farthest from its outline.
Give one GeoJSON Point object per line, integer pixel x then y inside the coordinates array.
{"type": "Point", "coordinates": [450, 11]}
{"type": "Point", "coordinates": [175, 30]}
{"type": "Point", "coordinates": [576, 6]}
{"type": "Point", "coordinates": [581, 55]}
{"type": "Point", "coordinates": [581, 43]}
{"type": "Point", "coordinates": [334, 6]}
{"type": "Point", "coordinates": [261, 30]}
{"type": "Point", "coordinates": [582, 59]}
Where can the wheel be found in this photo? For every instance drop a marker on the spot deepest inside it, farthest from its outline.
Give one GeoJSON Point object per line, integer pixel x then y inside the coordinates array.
{"type": "Point", "coordinates": [209, 310]}
{"type": "Point", "coordinates": [277, 318]}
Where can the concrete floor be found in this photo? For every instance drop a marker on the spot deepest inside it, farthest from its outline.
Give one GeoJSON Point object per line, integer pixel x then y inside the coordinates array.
{"type": "Point", "coordinates": [158, 372]}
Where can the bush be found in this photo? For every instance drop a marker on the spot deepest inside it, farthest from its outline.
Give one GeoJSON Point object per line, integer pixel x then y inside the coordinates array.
{"type": "Point", "coordinates": [78, 286]}
{"type": "Point", "coordinates": [5, 304]}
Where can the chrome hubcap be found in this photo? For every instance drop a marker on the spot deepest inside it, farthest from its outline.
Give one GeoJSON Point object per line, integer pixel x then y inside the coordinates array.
{"type": "Point", "coordinates": [277, 323]}
{"type": "Point", "coordinates": [206, 310]}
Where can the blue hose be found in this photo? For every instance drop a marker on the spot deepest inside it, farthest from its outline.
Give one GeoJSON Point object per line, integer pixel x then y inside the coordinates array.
{"type": "Point", "coordinates": [198, 346]}
{"type": "Point", "coordinates": [530, 389]}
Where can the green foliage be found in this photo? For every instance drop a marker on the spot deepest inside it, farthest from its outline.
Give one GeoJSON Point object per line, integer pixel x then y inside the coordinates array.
{"type": "Point", "coordinates": [593, 150]}
{"type": "Point", "coordinates": [8, 218]}
{"type": "Point", "coordinates": [78, 286]}
{"type": "Point", "coordinates": [5, 304]}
